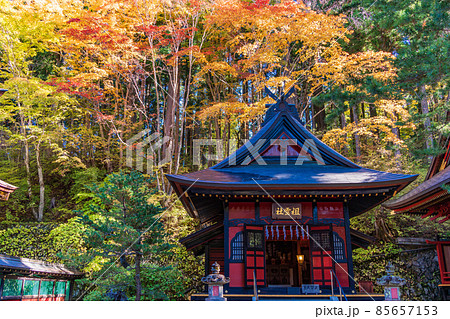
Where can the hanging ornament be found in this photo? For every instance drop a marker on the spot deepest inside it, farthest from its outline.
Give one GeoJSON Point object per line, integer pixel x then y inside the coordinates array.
{"type": "Point", "coordinates": [290, 230]}
{"type": "Point", "coordinates": [307, 232]}
{"type": "Point", "coordinates": [278, 233]}
{"type": "Point", "coordinates": [284, 232]}
{"type": "Point", "coordinates": [271, 231]}
{"type": "Point", "coordinates": [303, 233]}
{"type": "Point", "coordinates": [267, 232]}
{"type": "Point", "coordinates": [296, 231]}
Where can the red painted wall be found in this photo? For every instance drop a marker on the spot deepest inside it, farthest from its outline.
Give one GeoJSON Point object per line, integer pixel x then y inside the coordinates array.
{"type": "Point", "coordinates": [340, 273]}
{"type": "Point", "coordinates": [341, 270]}
{"type": "Point", "coordinates": [241, 210]}
{"type": "Point", "coordinates": [330, 210]}
{"type": "Point", "coordinates": [237, 275]}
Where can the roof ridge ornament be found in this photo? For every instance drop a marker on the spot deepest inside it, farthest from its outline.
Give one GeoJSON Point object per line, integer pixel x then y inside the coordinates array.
{"type": "Point", "coordinates": [280, 105]}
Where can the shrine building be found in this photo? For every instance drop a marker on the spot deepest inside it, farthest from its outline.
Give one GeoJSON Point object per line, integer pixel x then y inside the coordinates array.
{"type": "Point", "coordinates": [23, 279]}
{"type": "Point", "coordinates": [276, 213]}
{"type": "Point", "coordinates": [6, 190]}
{"type": "Point", "coordinates": [431, 199]}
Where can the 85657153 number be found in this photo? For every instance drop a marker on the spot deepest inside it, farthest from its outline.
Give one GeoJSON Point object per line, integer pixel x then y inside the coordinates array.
{"type": "Point", "coordinates": [406, 311]}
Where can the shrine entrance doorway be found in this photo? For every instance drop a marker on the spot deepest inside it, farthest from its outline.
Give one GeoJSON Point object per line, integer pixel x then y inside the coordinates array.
{"type": "Point", "coordinates": [287, 263]}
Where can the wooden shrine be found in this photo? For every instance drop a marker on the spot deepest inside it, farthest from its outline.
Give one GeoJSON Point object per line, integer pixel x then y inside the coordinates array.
{"type": "Point", "coordinates": [5, 190]}
{"type": "Point", "coordinates": [431, 199]}
{"type": "Point", "coordinates": [23, 279]}
{"type": "Point", "coordinates": [276, 213]}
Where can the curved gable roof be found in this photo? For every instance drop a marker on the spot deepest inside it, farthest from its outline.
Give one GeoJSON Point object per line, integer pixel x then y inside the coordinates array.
{"type": "Point", "coordinates": [253, 169]}
{"type": "Point", "coordinates": [281, 123]}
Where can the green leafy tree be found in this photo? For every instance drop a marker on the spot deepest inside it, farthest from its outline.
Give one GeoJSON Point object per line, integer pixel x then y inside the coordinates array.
{"type": "Point", "coordinates": [416, 33]}
{"type": "Point", "coordinates": [33, 113]}
{"type": "Point", "coordinates": [122, 229]}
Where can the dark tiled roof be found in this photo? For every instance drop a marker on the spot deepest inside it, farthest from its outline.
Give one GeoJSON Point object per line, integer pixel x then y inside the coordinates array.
{"type": "Point", "coordinates": [202, 236]}
{"type": "Point", "coordinates": [7, 187]}
{"type": "Point", "coordinates": [427, 188]}
{"type": "Point", "coordinates": [441, 159]}
{"type": "Point", "coordinates": [336, 169]}
{"type": "Point", "coordinates": [324, 171]}
{"type": "Point", "coordinates": [293, 175]}
{"type": "Point", "coordinates": [10, 264]}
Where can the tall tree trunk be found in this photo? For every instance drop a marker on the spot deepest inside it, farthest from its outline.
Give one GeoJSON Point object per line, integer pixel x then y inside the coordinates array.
{"type": "Point", "coordinates": [175, 138]}
{"type": "Point", "coordinates": [137, 272]}
{"type": "Point", "coordinates": [27, 163]}
{"type": "Point", "coordinates": [41, 183]}
{"type": "Point", "coordinates": [313, 115]}
{"type": "Point", "coordinates": [396, 131]}
{"type": "Point", "coordinates": [320, 117]}
{"type": "Point", "coordinates": [343, 126]}
{"type": "Point", "coordinates": [210, 148]}
{"type": "Point", "coordinates": [372, 110]}
{"type": "Point", "coordinates": [363, 111]}
{"type": "Point", "coordinates": [343, 121]}
{"type": "Point", "coordinates": [169, 116]}
{"type": "Point", "coordinates": [425, 110]}
{"type": "Point", "coordinates": [357, 142]}
{"type": "Point", "coordinates": [182, 129]}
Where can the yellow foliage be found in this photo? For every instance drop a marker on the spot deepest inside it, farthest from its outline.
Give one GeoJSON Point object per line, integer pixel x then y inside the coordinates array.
{"type": "Point", "coordinates": [377, 133]}
{"type": "Point", "coordinates": [233, 110]}
{"type": "Point", "coordinates": [394, 108]}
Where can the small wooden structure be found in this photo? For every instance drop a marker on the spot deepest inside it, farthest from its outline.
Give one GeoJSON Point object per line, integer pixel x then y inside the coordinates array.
{"type": "Point", "coordinates": [443, 252]}
{"type": "Point", "coordinates": [276, 213]}
{"type": "Point", "coordinates": [5, 190]}
{"type": "Point", "coordinates": [431, 199]}
{"type": "Point", "coordinates": [34, 280]}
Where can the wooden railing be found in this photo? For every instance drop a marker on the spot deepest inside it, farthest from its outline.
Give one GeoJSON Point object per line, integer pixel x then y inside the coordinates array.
{"type": "Point", "coordinates": [341, 291]}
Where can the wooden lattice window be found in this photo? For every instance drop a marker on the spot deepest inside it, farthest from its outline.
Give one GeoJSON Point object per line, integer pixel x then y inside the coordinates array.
{"type": "Point", "coordinates": [237, 248]}
{"type": "Point", "coordinates": [321, 241]}
{"type": "Point", "coordinates": [339, 248]}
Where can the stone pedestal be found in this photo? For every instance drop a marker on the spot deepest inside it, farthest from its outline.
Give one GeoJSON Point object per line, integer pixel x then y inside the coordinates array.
{"type": "Point", "coordinates": [391, 284]}
{"type": "Point", "coordinates": [215, 282]}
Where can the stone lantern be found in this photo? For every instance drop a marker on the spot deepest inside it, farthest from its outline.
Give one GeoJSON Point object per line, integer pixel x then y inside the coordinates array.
{"type": "Point", "coordinates": [215, 282]}
{"type": "Point", "coordinates": [391, 284]}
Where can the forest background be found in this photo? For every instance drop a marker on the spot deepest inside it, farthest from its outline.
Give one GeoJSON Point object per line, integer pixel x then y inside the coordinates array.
{"type": "Point", "coordinates": [371, 80]}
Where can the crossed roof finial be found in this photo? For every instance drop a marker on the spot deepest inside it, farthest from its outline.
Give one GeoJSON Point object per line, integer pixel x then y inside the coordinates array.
{"type": "Point", "coordinates": [280, 105]}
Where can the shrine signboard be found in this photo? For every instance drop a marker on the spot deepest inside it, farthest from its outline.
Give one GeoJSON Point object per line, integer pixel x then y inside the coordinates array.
{"type": "Point", "coordinates": [286, 210]}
